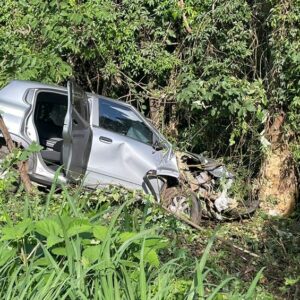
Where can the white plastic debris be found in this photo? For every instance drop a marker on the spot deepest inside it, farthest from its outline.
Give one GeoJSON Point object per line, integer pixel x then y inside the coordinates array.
{"type": "Point", "coordinates": [203, 177]}
{"type": "Point", "coordinates": [223, 201]}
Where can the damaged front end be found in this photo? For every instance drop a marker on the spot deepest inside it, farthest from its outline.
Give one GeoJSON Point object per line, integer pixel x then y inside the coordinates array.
{"type": "Point", "coordinates": [203, 191]}
{"type": "Point", "coordinates": [210, 180]}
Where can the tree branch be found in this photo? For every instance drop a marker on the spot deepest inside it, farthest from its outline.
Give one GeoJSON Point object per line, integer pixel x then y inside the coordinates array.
{"type": "Point", "coordinates": [22, 165]}
{"type": "Point", "coordinates": [185, 20]}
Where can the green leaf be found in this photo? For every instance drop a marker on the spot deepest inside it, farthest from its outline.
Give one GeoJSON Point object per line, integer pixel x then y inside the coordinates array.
{"type": "Point", "coordinates": [60, 251]}
{"type": "Point", "coordinates": [17, 231]}
{"type": "Point", "coordinates": [43, 261]}
{"type": "Point", "coordinates": [92, 253]}
{"type": "Point", "coordinates": [6, 253]}
{"type": "Point", "coordinates": [125, 236]}
{"type": "Point", "coordinates": [79, 226]}
{"type": "Point", "coordinates": [48, 227]}
{"type": "Point", "coordinates": [291, 281]}
{"type": "Point", "coordinates": [150, 256]}
{"type": "Point", "coordinates": [129, 264]}
{"type": "Point", "coordinates": [103, 265]}
{"type": "Point", "coordinates": [200, 268]}
{"type": "Point", "coordinates": [34, 147]}
{"type": "Point", "coordinates": [157, 243]}
{"type": "Point", "coordinates": [100, 232]}
{"type": "Point", "coordinates": [53, 240]}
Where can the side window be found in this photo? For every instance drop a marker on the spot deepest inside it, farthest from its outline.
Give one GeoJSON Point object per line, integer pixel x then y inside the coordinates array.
{"type": "Point", "coordinates": [80, 102]}
{"type": "Point", "coordinates": [123, 120]}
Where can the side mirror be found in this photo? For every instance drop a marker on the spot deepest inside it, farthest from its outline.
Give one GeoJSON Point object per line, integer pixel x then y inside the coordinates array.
{"type": "Point", "coordinates": [158, 145]}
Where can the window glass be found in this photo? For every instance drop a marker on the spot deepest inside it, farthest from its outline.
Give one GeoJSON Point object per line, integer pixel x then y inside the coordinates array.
{"type": "Point", "coordinates": [80, 102]}
{"type": "Point", "coordinates": [123, 120]}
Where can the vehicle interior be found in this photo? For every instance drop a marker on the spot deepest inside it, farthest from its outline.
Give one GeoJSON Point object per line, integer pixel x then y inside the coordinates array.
{"type": "Point", "coordinates": [49, 115]}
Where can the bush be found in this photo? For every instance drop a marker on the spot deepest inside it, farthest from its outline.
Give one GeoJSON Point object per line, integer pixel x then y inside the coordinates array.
{"type": "Point", "coordinates": [76, 249]}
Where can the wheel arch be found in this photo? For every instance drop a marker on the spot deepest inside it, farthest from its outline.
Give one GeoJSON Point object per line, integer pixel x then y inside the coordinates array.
{"type": "Point", "coordinates": [154, 183]}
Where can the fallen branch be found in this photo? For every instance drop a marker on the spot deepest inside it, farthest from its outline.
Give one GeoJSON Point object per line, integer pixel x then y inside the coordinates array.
{"type": "Point", "coordinates": [196, 226]}
{"type": "Point", "coordinates": [22, 165]}
{"type": "Point", "coordinates": [230, 244]}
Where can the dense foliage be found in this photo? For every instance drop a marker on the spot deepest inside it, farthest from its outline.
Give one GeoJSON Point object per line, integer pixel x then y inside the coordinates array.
{"type": "Point", "coordinates": [69, 243]}
{"type": "Point", "coordinates": [101, 245]}
{"type": "Point", "coordinates": [114, 244]}
{"type": "Point", "coordinates": [212, 75]}
{"type": "Point", "coordinates": [212, 68]}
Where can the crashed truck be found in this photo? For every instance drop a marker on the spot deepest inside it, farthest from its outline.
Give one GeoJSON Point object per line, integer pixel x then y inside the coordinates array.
{"type": "Point", "coordinates": [108, 142]}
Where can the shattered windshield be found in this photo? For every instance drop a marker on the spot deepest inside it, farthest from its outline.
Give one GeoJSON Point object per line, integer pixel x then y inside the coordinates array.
{"type": "Point", "coordinates": [123, 120]}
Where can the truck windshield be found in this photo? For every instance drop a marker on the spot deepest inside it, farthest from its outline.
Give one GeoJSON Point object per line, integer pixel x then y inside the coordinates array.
{"type": "Point", "coordinates": [123, 120]}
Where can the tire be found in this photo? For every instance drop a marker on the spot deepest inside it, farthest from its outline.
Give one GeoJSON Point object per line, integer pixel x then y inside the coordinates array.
{"type": "Point", "coordinates": [170, 197]}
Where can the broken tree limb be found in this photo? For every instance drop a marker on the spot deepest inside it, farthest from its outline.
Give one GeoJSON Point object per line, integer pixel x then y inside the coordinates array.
{"type": "Point", "coordinates": [224, 241]}
{"type": "Point", "coordinates": [22, 165]}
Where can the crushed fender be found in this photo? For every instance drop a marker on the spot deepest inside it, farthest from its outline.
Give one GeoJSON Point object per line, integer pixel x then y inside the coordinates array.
{"type": "Point", "coordinates": [211, 182]}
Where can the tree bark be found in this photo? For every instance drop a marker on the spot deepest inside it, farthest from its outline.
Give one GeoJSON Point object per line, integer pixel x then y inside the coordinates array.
{"type": "Point", "coordinates": [155, 112]}
{"type": "Point", "coordinates": [278, 182]}
{"type": "Point", "coordinates": [22, 165]}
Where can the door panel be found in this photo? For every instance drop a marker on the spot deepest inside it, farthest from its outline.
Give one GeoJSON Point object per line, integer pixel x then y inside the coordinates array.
{"type": "Point", "coordinates": [77, 133]}
{"type": "Point", "coordinates": [117, 159]}
{"type": "Point", "coordinates": [122, 151]}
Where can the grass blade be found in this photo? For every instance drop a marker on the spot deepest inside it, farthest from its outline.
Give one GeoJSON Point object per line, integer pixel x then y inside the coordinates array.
{"type": "Point", "coordinates": [251, 290]}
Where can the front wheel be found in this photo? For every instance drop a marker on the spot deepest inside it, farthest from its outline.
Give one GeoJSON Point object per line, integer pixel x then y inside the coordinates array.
{"type": "Point", "coordinates": [181, 202]}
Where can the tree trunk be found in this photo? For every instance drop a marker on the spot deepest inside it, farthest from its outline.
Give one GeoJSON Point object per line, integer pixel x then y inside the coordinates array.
{"type": "Point", "coordinates": [278, 182]}
{"type": "Point", "coordinates": [22, 165]}
{"type": "Point", "coordinates": [155, 112]}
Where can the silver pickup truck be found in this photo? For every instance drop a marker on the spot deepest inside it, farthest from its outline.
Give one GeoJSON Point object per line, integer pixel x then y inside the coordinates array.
{"type": "Point", "coordinates": [104, 141]}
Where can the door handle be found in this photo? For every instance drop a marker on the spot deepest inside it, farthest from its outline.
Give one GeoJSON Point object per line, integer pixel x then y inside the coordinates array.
{"type": "Point", "coordinates": [105, 139]}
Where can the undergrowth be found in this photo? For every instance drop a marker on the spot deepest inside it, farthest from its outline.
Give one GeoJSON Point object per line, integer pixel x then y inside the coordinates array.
{"type": "Point", "coordinates": [111, 243]}
{"type": "Point", "coordinates": [106, 244]}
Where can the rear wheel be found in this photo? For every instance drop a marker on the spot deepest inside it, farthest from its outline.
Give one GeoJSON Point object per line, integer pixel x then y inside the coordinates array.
{"type": "Point", "coordinates": [182, 202]}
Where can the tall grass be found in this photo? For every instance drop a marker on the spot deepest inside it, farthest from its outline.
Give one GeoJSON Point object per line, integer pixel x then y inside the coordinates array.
{"type": "Point", "coordinates": [75, 255]}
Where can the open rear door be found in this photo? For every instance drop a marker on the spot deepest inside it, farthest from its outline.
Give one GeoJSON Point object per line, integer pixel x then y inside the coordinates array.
{"type": "Point", "coordinates": [77, 133]}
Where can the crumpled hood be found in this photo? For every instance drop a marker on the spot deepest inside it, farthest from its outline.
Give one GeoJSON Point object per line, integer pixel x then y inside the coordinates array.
{"type": "Point", "coordinates": [168, 164]}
